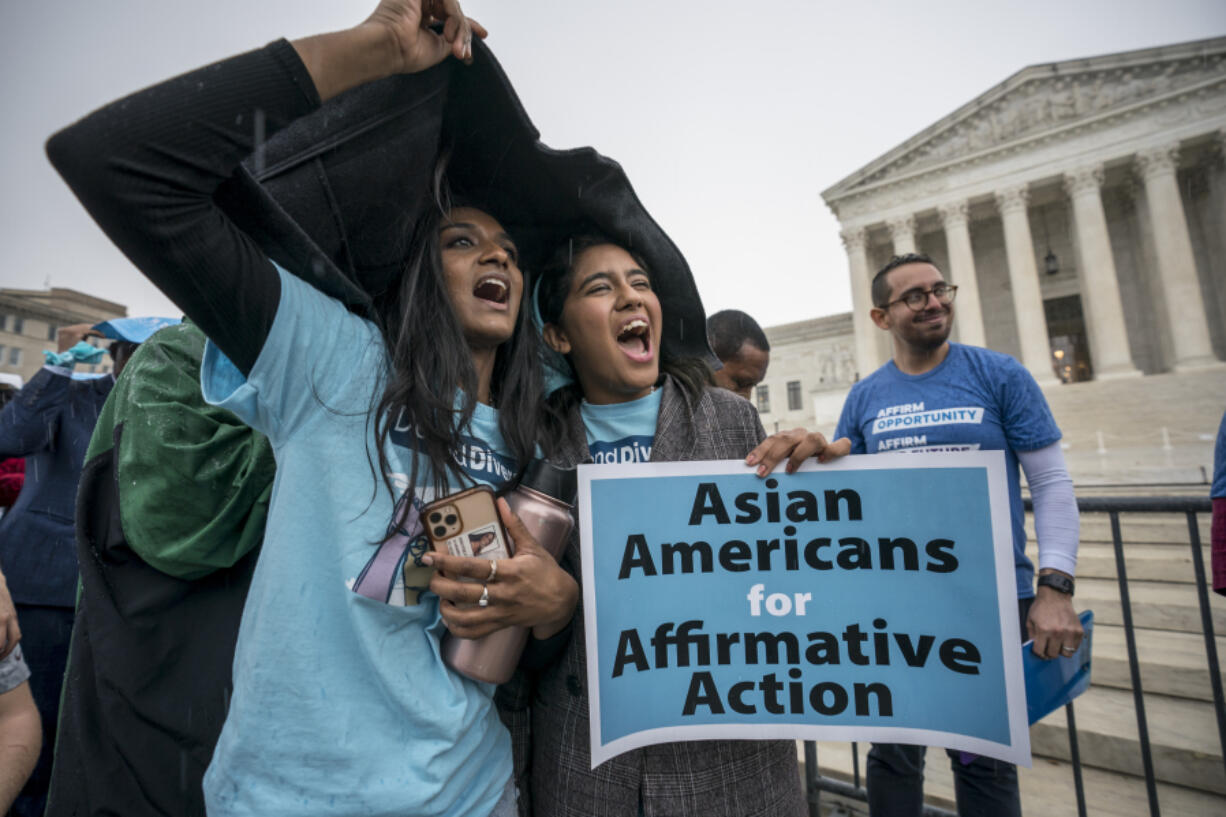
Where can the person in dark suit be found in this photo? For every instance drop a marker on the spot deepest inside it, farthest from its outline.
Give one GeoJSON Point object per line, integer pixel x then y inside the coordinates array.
{"type": "Point", "coordinates": [49, 423]}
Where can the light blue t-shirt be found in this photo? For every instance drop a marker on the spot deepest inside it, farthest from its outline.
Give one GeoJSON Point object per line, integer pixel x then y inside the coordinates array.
{"type": "Point", "coordinates": [621, 432]}
{"type": "Point", "coordinates": [342, 704]}
{"type": "Point", "coordinates": [976, 399]}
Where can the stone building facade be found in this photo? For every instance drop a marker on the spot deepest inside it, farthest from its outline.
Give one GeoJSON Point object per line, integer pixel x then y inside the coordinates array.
{"type": "Point", "coordinates": [29, 319]}
{"type": "Point", "coordinates": [813, 364]}
{"type": "Point", "coordinates": [1079, 206]}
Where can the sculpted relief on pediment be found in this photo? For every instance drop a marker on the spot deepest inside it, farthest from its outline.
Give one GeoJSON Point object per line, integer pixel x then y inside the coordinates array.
{"type": "Point", "coordinates": [1049, 103]}
{"type": "Point", "coordinates": [838, 366]}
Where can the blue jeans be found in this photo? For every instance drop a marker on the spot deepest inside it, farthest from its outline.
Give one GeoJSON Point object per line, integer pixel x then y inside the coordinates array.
{"type": "Point", "coordinates": [984, 787]}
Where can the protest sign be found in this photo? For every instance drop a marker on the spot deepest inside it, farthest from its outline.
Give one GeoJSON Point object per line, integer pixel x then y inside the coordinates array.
{"type": "Point", "coordinates": [869, 599]}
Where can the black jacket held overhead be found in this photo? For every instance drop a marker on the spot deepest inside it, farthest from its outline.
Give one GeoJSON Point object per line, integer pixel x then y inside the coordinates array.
{"type": "Point", "coordinates": [174, 176]}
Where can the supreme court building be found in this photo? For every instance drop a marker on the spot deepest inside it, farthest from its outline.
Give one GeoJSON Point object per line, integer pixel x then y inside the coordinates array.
{"type": "Point", "coordinates": [1079, 206]}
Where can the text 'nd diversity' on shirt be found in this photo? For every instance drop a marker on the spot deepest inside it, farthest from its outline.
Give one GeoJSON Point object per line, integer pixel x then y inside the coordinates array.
{"type": "Point", "coordinates": [475, 456]}
{"type": "Point", "coordinates": [627, 449]}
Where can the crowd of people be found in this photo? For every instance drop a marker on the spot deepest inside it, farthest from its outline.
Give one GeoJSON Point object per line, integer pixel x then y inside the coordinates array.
{"type": "Point", "coordinates": [416, 298]}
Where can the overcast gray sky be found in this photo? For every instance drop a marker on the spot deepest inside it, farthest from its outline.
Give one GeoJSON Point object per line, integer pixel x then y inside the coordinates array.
{"type": "Point", "coordinates": [729, 118]}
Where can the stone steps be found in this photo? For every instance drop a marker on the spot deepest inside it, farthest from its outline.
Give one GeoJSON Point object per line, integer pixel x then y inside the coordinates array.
{"type": "Point", "coordinates": [1155, 605]}
{"type": "Point", "coordinates": [1135, 529]}
{"type": "Point", "coordinates": [1157, 529]}
{"type": "Point", "coordinates": [1194, 488]}
{"type": "Point", "coordinates": [1183, 737]}
{"type": "Point", "coordinates": [1130, 415]}
{"type": "Point", "coordinates": [1157, 563]}
{"type": "Point", "coordinates": [1047, 788]}
{"type": "Point", "coordinates": [1184, 744]}
{"type": "Point", "coordinates": [1171, 663]}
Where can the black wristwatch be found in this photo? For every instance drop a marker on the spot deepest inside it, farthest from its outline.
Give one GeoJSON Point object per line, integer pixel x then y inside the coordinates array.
{"type": "Point", "coordinates": [1058, 582]}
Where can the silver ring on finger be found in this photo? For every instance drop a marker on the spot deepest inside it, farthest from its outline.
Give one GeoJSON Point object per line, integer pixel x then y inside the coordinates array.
{"type": "Point", "coordinates": [484, 601]}
{"type": "Point", "coordinates": [493, 571]}
{"type": "Point", "coordinates": [1067, 650]}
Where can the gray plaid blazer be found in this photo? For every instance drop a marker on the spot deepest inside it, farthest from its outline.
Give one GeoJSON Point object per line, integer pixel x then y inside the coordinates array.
{"type": "Point", "coordinates": [549, 724]}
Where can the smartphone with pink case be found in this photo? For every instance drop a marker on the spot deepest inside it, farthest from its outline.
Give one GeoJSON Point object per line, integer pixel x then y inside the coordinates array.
{"type": "Point", "coordinates": [467, 524]}
{"type": "Point", "coordinates": [543, 501]}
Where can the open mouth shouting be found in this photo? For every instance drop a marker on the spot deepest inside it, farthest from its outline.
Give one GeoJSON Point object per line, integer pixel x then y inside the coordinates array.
{"type": "Point", "coordinates": [634, 338]}
{"type": "Point", "coordinates": [493, 288]}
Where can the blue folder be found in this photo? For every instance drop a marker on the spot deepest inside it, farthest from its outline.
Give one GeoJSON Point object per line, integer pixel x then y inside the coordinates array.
{"type": "Point", "coordinates": [1052, 684]}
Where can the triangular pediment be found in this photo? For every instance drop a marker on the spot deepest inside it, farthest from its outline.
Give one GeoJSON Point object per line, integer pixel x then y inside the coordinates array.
{"type": "Point", "coordinates": [1042, 100]}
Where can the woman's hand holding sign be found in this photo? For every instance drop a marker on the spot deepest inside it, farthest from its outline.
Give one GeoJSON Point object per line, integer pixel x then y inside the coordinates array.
{"type": "Point", "coordinates": [795, 446]}
{"type": "Point", "coordinates": [528, 590]}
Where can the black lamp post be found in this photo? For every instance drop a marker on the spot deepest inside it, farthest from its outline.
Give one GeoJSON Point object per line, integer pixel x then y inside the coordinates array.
{"type": "Point", "coordinates": [1051, 264]}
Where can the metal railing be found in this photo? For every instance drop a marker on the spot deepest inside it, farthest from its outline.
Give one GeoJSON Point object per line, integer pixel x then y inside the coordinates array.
{"type": "Point", "coordinates": [1113, 507]}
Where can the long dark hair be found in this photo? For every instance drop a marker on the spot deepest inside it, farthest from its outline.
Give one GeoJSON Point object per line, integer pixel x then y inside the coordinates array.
{"type": "Point", "coordinates": [556, 278]}
{"type": "Point", "coordinates": [429, 362]}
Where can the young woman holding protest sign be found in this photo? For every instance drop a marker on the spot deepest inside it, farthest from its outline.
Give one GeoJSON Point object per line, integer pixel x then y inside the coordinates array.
{"type": "Point", "coordinates": [639, 392]}
{"type": "Point", "coordinates": [341, 703]}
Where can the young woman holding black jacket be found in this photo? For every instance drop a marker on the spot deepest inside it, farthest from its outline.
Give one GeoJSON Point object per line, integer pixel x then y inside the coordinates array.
{"type": "Point", "coordinates": [341, 704]}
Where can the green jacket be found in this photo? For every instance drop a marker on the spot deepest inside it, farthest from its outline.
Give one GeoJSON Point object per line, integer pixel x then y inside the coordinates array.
{"type": "Point", "coordinates": [193, 481]}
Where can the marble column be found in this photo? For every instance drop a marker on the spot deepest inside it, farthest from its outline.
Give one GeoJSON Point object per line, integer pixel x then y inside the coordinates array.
{"type": "Point", "coordinates": [902, 231]}
{"type": "Point", "coordinates": [1185, 305]}
{"type": "Point", "coordinates": [968, 313]}
{"type": "Point", "coordinates": [1100, 288]}
{"type": "Point", "coordinates": [1024, 282]}
{"type": "Point", "coordinates": [868, 345]}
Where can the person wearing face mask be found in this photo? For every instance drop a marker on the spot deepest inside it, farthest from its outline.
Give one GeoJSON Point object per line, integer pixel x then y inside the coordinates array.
{"type": "Point", "coordinates": [49, 423]}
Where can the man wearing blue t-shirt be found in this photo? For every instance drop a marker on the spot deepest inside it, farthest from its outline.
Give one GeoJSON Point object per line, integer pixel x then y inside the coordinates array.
{"type": "Point", "coordinates": [940, 396]}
